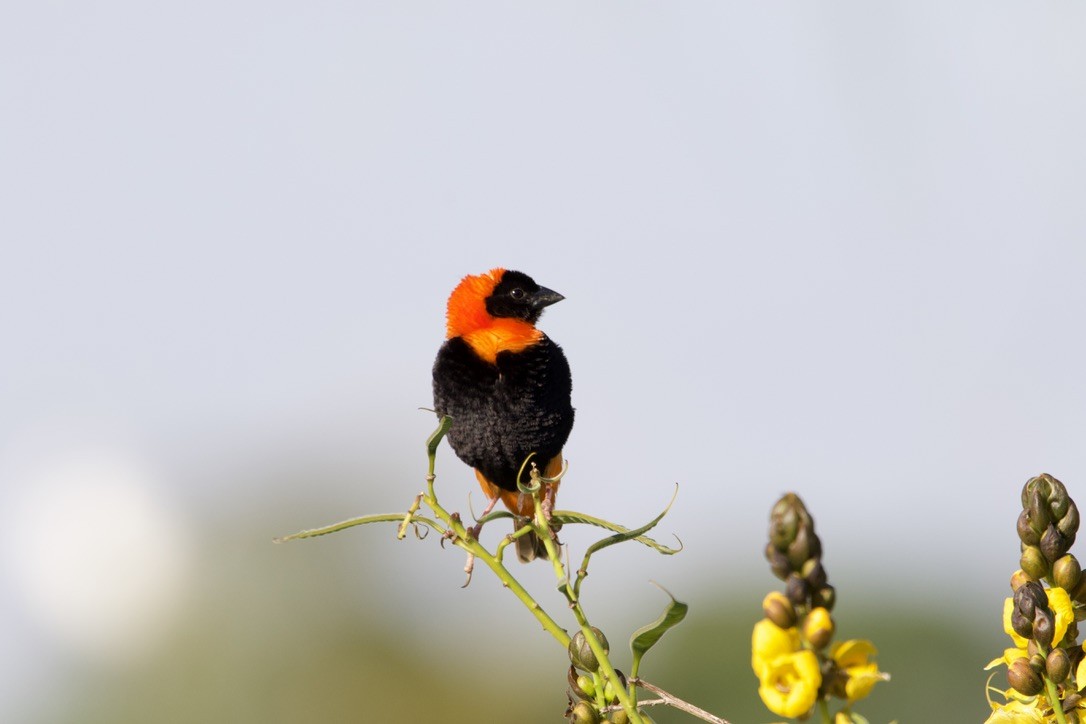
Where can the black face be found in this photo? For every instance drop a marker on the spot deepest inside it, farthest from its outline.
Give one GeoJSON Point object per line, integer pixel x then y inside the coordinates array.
{"type": "Point", "coordinates": [517, 296]}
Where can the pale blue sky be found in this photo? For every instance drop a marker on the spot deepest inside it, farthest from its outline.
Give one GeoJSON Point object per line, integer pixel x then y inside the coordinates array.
{"type": "Point", "coordinates": [832, 247]}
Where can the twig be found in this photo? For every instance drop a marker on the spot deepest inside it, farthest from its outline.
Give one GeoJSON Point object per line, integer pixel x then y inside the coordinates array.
{"type": "Point", "coordinates": [676, 702]}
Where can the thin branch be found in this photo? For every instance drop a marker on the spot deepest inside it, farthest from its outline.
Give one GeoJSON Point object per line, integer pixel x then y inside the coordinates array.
{"type": "Point", "coordinates": [677, 703]}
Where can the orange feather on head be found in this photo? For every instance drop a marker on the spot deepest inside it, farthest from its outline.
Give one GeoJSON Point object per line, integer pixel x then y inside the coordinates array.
{"type": "Point", "coordinates": [467, 317]}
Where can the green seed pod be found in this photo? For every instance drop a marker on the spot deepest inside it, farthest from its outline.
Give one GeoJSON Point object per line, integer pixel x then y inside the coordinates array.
{"type": "Point", "coordinates": [1023, 678]}
{"type": "Point", "coordinates": [779, 610]}
{"type": "Point", "coordinates": [1058, 665]}
{"type": "Point", "coordinates": [584, 713]}
{"type": "Point", "coordinates": [580, 653]}
{"type": "Point", "coordinates": [1067, 572]}
{"type": "Point", "coordinates": [1033, 562]}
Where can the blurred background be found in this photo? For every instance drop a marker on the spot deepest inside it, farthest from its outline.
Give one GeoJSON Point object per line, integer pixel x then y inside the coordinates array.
{"type": "Point", "coordinates": [836, 248]}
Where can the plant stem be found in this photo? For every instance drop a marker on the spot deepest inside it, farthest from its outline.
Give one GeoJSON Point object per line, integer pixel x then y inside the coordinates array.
{"type": "Point", "coordinates": [824, 712]}
{"type": "Point", "coordinates": [1054, 700]}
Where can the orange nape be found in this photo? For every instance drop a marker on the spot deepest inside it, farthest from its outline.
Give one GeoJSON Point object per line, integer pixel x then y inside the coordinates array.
{"type": "Point", "coordinates": [520, 503]}
{"type": "Point", "coordinates": [468, 319]}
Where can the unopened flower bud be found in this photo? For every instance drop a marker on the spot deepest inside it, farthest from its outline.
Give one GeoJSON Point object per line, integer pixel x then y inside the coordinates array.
{"type": "Point", "coordinates": [818, 628]}
{"type": "Point", "coordinates": [582, 686]}
{"type": "Point", "coordinates": [1033, 562]}
{"type": "Point", "coordinates": [620, 717]}
{"type": "Point", "coordinates": [1058, 665]}
{"type": "Point", "coordinates": [779, 609]}
{"type": "Point", "coordinates": [1026, 533]}
{"type": "Point", "coordinates": [584, 713]}
{"type": "Point", "coordinates": [815, 574]}
{"type": "Point", "coordinates": [797, 589]}
{"type": "Point", "coordinates": [1044, 627]}
{"type": "Point", "coordinates": [778, 562]}
{"type": "Point", "coordinates": [581, 654]}
{"type": "Point", "coordinates": [824, 597]}
{"type": "Point", "coordinates": [1067, 572]}
{"type": "Point", "coordinates": [1053, 543]}
{"type": "Point", "coordinates": [1018, 578]}
{"type": "Point", "coordinates": [1023, 678]}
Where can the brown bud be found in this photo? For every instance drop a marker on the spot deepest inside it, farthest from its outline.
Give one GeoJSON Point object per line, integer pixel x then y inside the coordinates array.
{"type": "Point", "coordinates": [824, 597]}
{"type": "Point", "coordinates": [1026, 533]}
{"type": "Point", "coordinates": [779, 610]}
{"type": "Point", "coordinates": [1067, 572]}
{"type": "Point", "coordinates": [797, 589]}
{"type": "Point", "coordinates": [814, 573]}
{"type": "Point", "coordinates": [1044, 627]}
{"type": "Point", "coordinates": [1053, 543]}
{"type": "Point", "coordinates": [1023, 678]}
{"type": "Point", "coordinates": [1018, 578]}
{"type": "Point", "coordinates": [1058, 665]}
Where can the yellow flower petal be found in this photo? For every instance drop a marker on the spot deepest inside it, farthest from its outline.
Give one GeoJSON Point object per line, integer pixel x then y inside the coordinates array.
{"type": "Point", "coordinates": [1008, 609]}
{"type": "Point", "coordinates": [789, 683]}
{"type": "Point", "coordinates": [770, 641]}
{"type": "Point", "coordinates": [1009, 655]}
{"type": "Point", "coordinates": [1060, 603]}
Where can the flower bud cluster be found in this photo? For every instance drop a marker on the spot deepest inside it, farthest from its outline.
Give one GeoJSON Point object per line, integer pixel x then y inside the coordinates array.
{"type": "Point", "coordinates": [794, 553]}
{"type": "Point", "coordinates": [1045, 667]}
{"type": "Point", "coordinates": [793, 655]}
{"type": "Point", "coordinates": [1047, 527]}
{"type": "Point", "coordinates": [591, 693]}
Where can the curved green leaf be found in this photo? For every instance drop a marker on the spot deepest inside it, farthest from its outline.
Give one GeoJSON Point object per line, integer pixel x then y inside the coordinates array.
{"type": "Point", "coordinates": [336, 527]}
{"type": "Point", "coordinates": [646, 637]}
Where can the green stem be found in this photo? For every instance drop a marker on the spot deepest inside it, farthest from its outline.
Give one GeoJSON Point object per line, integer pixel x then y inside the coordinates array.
{"type": "Point", "coordinates": [824, 711]}
{"type": "Point", "coordinates": [543, 531]}
{"type": "Point", "coordinates": [1054, 700]}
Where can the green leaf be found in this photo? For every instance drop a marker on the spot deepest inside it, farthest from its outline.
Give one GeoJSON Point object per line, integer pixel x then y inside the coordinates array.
{"type": "Point", "coordinates": [624, 533]}
{"type": "Point", "coordinates": [646, 637]}
{"type": "Point", "coordinates": [336, 527]}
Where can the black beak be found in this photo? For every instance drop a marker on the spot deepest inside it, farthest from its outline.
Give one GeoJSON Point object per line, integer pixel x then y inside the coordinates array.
{"type": "Point", "coordinates": [545, 297]}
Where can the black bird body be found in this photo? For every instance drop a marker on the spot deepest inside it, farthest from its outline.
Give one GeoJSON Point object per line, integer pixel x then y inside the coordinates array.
{"type": "Point", "coordinates": [507, 388]}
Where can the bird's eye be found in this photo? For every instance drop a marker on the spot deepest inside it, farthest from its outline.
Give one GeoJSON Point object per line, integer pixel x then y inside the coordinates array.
{"type": "Point", "coordinates": [517, 293]}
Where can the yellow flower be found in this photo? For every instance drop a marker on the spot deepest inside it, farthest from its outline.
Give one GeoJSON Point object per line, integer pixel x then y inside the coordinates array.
{"type": "Point", "coordinates": [789, 683]}
{"type": "Point", "coordinates": [1015, 712]}
{"type": "Point", "coordinates": [852, 658]}
{"type": "Point", "coordinates": [770, 641]}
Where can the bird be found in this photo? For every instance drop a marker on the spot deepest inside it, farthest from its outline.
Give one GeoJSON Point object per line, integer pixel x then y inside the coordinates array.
{"type": "Point", "coordinates": [507, 387]}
